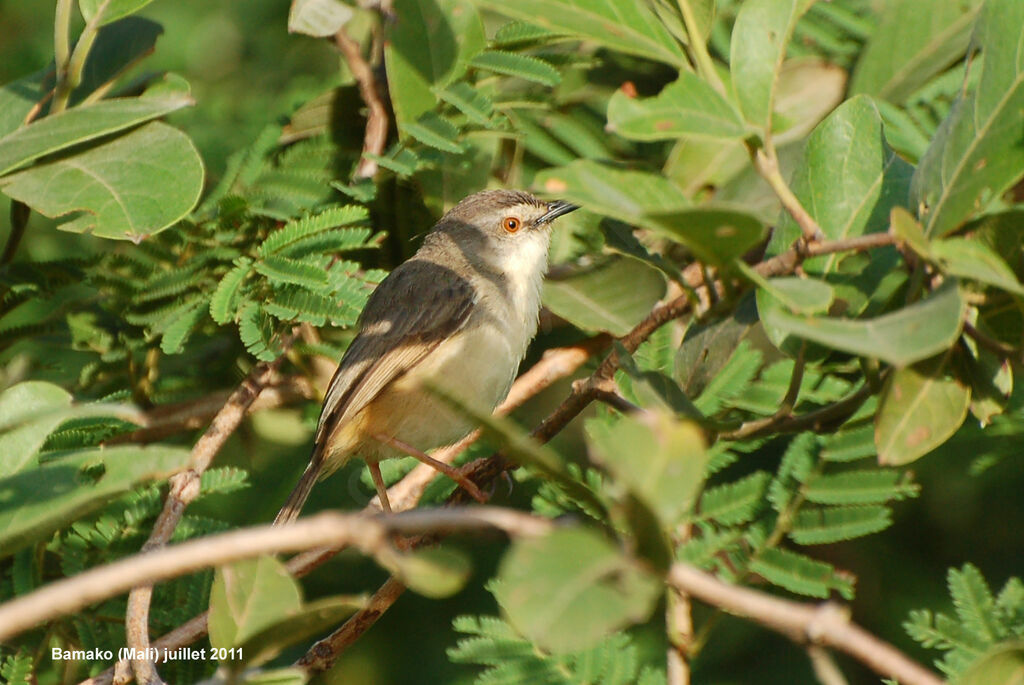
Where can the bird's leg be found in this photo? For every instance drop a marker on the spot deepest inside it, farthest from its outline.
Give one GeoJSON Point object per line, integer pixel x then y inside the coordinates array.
{"type": "Point", "coordinates": [448, 470]}
{"type": "Point", "coordinates": [378, 482]}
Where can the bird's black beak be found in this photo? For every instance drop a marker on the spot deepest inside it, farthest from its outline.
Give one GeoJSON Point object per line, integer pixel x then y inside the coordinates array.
{"type": "Point", "coordinates": [555, 210]}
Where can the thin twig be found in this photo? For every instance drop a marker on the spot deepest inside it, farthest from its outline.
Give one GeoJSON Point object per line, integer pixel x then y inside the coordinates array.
{"type": "Point", "coordinates": [679, 624]}
{"type": "Point", "coordinates": [322, 655]}
{"type": "Point", "coordinates": [766, 163]}
{"type": "Point", "coordinates": [827, 624]}
{"type": "Point", "coordinates": [825, 668]}
{"type": "Point", "coordinates": [376, 134]}
{"type": "Point", "coordinates": [69, 76]}
{"type": "Point", "coordinates": [698, 46]}
{"type": "Point", "coordinates": [184, 488]}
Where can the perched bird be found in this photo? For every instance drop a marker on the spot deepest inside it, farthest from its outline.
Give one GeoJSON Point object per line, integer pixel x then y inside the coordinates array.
{"type": "Point", "coordinates": [459, 314]}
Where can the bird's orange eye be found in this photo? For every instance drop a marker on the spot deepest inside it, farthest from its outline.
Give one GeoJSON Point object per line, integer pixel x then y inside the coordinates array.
{"type": "Point", "coordinates": [511, 224]}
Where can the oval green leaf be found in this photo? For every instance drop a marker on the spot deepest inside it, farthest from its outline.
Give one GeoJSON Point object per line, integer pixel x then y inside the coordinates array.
{"type": "Point", "coordinates": [567, 590]}
{"type": "Point", "coordinates": [921, 407]}
{"type": "Point", "coordinates": [129, 188]}
{"type": "Point", "coordinates": [612, 297]}
{"type": "Point", "coordinates": [687, 106]}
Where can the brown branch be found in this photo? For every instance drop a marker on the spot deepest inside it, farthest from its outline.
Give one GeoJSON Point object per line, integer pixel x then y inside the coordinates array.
{"type": "Point", "coordinates": [322, 655]}
{"type": "Point", "coordinates": [184, 488]}
{"type": "Point", "coordinates": [826, 625]}
{"type": "Point", "coordinates": [371, 533]}
{"type": "Point", "coordinates": [376, 134]}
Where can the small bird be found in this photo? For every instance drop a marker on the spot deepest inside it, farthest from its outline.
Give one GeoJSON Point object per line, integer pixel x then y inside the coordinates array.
{"type": "Point", "coordinates": [459, 314]}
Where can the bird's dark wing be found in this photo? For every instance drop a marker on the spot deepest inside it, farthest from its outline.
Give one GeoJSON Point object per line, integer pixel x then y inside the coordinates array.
{"type": "Point", "coordinates": [419, 305]}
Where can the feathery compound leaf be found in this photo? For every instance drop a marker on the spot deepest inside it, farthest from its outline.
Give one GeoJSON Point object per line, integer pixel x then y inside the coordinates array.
{"type": "Point", "coordinates": [516, 32]}
{"type": "Point", "coordinates": [866, 486]}
{"type": "Point", "coordinates": [224, 302]}
{"type": "Point", "coordinates": [301, 228]}
{"type": "Point", "coordinates": [734, 503]}
{"type": "Point", "coordinates": [17, 668]}
{"type": "Point", "coordinates": [435, 131]}
{"type": "Point", "coordinates": [477, 107]}
{"type": "Point", "coordinates": [295, 304]}
{"type": "Point", "coordinates": [799, 574]}
{"type": "Point", "coordinates": [257, 333]}
{"type": "Point", "coordinates": [223, 480]}
{"type": "Point", "coordinates": [850, 444]}
{"type": "Point", "coordinates": [284, 270]}
{"type": "Point", "coordinates": [514, 64]}
{"type": "Point", "coordinates": [332, 242]}
{"type": "Point", "coordinates": [833, 524]}
{"type": "Point", "coordinates": [974, 603]}
{"type": "Point", "coordinates": [796, 466]}
{"type": "Point", "coordinates": [180, 328]}
{"type": "Point", "coordinates": [732, 380]}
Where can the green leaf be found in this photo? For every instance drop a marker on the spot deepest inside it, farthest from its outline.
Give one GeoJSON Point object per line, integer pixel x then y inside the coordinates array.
{"type": "Point", "coordinates": [850, 443]}
{"type": "Point", "coordinates": [921, 407]}
{"type": "Point", "coordinates": [759, 39]}
{"type": "Point", "coordinates": [687, 106]}
{"type": "Point", "coordinates": [249, 596]}
{"type": "Point", "coordinates": [835, 524]}
{"type": "Point", "coordinates": [432, 572]}
{"type": "Point", "coordinates": [319, 18]}
{"type": "Point", "coordinates": [595, 300]}
{"type": "Point", "coordinates": [866, 486]}
{"type": "Point", "coordinates": [309, 621]}
{"type": "Point", "coordinates": [22, 404]}
{"type": "Point", "coordinates": [971, 258]}
{"type": "Point", "coordinates": [659, 459]}
{"type": "Point", "coordinates": [848, 199]}
{"type": "Point", "coordinates": [567, 590]}
{"type": "Point", "coordinates": [279, 676]}
{"type": "Point", "coordinates": [118, 46]}
{"type": "Point", "coordinates": [622, 194]}
{"type": "Point", "coordinates": [976, 153]}
{"type": "Point", "coordinates": [41, 500]}
{"type": "Point", "coordinates": [436, 131]}
{"type": "Point", "coordinates": [520, 66]}
{"type": "Point", "coordinates": [114, 10]}
{"type": "Point", "coordinates": [716, 235]}
{"type": "Point", "coordinates": [429, 46]}
{"type": "Point", "coordinates": [627, 26]}
{"type": "Point", "coordinates": [908, 230]}
{"type": "Point", "coordinates": [79, 125]}
{"type": "Point", "coordinates": [17, 98]}
{"type": "Point", "coordinates": [915, 40]}
{"type": "Point", "coordinates": [129, 188]}
{"type": "Point", "coordinates": [799, 295]}
{"type": "Point", "coordinates": [1002, 665]}
{"type": "Point", "coordinates": [800, 574]}
{"type": "Point", "coordinates": [224, 301]}
{"type": "Point", "coordinates": [916, 332]}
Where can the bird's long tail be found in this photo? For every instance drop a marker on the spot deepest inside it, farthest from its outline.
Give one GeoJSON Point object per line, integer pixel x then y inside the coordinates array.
{"type": "Point", "coordinates": [293, 505]}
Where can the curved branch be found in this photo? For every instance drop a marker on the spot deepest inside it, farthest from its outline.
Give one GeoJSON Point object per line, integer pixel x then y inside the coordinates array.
{"type": "Point", "coordinates": [827, 624]}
